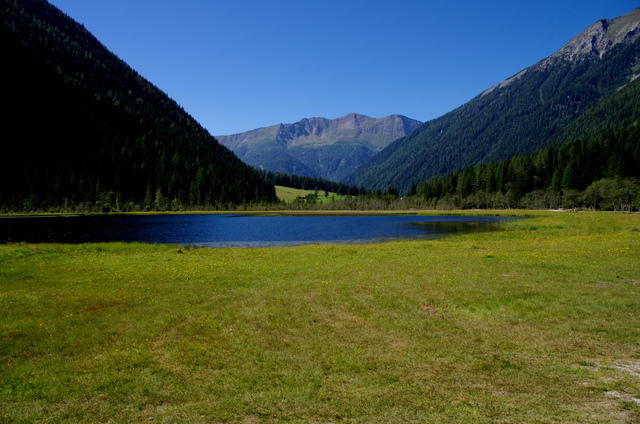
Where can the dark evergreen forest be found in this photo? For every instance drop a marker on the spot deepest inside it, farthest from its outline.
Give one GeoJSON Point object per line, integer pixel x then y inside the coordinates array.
{"type": "Point", "coordinates": [602, 173]}
{"type": "Point", "coordinates": [84, 131]}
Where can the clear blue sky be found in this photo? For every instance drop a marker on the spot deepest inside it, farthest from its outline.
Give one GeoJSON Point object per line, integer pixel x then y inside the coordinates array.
{"type": "Point", "coordinates": [237, 65]}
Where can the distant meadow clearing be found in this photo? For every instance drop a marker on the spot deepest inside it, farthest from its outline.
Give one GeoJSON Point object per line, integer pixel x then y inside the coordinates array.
{"type": "Point", "coordinates": [537, 323]}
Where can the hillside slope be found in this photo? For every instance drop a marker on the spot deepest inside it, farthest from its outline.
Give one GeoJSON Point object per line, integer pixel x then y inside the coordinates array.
{"type": "Point", "coordinates": [519, 115]}
{"type": "Point", "coordinates": [319, 147]}
{"type": "Point", "coordinates": [86, 131]}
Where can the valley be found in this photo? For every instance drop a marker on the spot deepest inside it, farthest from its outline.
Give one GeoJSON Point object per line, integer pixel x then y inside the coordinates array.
{"type": "Point", "coordinates": [535, 321]}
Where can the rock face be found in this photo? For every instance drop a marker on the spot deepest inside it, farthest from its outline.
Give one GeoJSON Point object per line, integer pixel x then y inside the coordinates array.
{"type": "Point", "coordinates": [319, 147]}
{"type": "Point", "coordinates": [592, 43]}
{"type": "Point", "coordinates": [602, 36]}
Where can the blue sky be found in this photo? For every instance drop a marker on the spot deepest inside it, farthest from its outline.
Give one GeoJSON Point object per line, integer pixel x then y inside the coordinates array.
{"type": "Point", "coordinates": [237, 65]}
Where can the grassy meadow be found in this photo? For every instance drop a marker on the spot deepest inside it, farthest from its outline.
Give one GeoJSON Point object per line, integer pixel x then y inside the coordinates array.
{"type": "Point", "coordinates": [537, 323]}
{"type": "Point", "coordinates": [289, 195]}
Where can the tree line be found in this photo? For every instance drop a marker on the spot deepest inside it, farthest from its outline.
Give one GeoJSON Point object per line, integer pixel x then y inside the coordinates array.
{"type": "Point", "coordinates": [602, 173]}
{"type": "Point", "coordinates": [313, 183]}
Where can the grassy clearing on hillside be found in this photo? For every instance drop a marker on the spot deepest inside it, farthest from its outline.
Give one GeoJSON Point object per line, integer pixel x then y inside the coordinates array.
{"type": "Point", "coordinates": [535, 324]}
{"type": "Point", "coordinates": [289, 195]}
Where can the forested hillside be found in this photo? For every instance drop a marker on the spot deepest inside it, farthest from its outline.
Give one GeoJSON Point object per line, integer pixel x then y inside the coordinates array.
{"type": "Point", "coordinates": [522, 114]}
{"type": "Point", "coordinates": [619, 110]}
{"type": "Point", "coordinates": [600, 173]}
{"type": "Point", "coordinates": [86, 132]}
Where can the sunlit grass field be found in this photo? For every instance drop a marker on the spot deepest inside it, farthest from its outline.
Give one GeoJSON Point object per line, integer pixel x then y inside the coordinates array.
{"type": "Point", "coordinates": [537, 323]}
{"type": "Point", "coordinates": [289, 195]}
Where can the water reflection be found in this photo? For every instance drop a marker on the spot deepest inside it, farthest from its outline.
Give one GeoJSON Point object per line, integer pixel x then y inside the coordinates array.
{"type": "Point", "coordinates": [446, 228]}
{"type": "Point", "coordinates": [238, 230]}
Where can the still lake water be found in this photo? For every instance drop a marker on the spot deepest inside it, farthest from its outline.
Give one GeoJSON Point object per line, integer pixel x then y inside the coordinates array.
{"type": "Point", "coordinates": [238, 230]}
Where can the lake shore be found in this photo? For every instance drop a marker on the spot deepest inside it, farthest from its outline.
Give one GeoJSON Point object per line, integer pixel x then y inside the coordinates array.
{"type": "Point", "coordinates": [288, 212]}
{"type": "Point", "coordinates": [535, 323]}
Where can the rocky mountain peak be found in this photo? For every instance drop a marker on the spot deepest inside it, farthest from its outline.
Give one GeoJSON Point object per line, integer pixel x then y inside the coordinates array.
{"type": "Point", "coordinates": [600, 37]}
{"type": "Point", "coordinates": [592, 43]}
{"type": "Point", "coordinates": [319, 147]}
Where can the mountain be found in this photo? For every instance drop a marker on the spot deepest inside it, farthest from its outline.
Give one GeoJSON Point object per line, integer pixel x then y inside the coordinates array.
{"type": "Point", "coordinates": [522, 114]}
{"type": "Point", "coordinates": [319, 147]}
{"type": "Point", "coordinates": [82, 130]}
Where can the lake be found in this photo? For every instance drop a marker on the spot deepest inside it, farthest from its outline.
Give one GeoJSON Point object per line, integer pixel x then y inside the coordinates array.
{"type": "Point", "coordinates": [237, 230]}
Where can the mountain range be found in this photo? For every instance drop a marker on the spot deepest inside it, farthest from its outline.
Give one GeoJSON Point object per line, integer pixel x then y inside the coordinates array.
{"type": "Point", "coordinates": [319, 147]}
{"type": "Point", "coordinates": [533, 109]}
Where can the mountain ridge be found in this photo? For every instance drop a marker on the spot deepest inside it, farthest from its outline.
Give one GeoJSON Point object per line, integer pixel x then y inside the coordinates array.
{"type": "Point", "coordinates": [518, 115]}
{"type": "Point", "coordinates": [600, 37]}
{"type": "Point", "coordinates": [318, 147]}
{"type": "Point", "coordinates": [596, 40]}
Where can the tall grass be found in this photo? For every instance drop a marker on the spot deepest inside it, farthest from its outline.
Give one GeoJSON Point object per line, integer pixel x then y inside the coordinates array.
{"type": "Point", "coordinates": [538, 323]}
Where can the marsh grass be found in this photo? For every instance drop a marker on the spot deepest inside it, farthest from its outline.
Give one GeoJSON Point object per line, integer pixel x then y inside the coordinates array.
{"type": "Point", "coordinates": [538, 323]}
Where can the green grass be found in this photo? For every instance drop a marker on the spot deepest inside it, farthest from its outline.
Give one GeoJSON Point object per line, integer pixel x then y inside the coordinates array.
{"type": "Point", "coordinates": [538, 323]}
{"type": "Point", "coordinates": [288, 194]}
